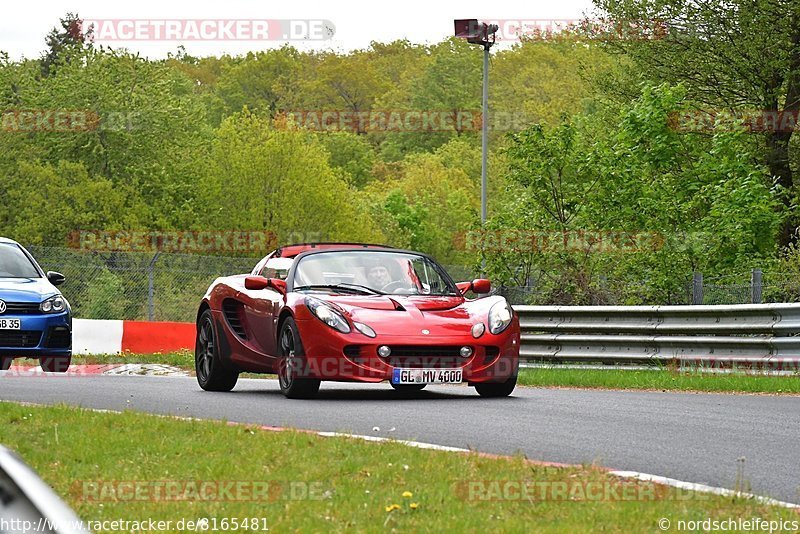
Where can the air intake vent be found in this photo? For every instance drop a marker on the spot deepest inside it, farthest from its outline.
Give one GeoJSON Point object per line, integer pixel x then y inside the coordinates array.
{"type": "Point", "coordinates": [58, 337]}
{"type": "Point", "coordinates": [234, 315]}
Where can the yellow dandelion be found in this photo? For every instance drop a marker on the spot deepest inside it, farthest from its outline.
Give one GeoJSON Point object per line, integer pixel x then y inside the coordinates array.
{"type": "Point", "coordinates": [392, 507]}
{"type": "Point", "coordinates": [414, 505]}
{"type": "Point", "coordinates": [407, 494]}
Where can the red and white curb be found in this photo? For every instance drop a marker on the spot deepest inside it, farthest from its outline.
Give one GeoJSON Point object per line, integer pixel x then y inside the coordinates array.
{"type": "Point", "coordinates": [91, 336]}
{"type": "Point", "coordinates": [128, 369]}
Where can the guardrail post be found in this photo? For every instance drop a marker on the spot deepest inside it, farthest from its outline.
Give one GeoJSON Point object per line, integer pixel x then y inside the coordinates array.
{"type": "Point", "coordinates": [756, 286]}
{"type": "Point", "coordinates": [697, 288]}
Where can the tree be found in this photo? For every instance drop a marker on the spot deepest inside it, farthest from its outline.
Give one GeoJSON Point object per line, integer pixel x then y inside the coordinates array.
{"type": "Point", "coordinates": [261, 176]}
{"type": "Point", "coordinates": [738, 55]}
{"type": "Point", "coordinates": [66, 42]}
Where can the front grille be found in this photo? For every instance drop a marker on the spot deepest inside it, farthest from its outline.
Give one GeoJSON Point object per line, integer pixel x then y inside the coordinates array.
{"type": "Point", "coordinates": [19, 339]}
{"type": "Point", "coordinates": [408, 351]}
{"type": "Point", "coordinates": [425, 357]}
{"type": "Point", "coordinates": [22, 308]}
{"type": "Point", "coordinates": [58, 337]}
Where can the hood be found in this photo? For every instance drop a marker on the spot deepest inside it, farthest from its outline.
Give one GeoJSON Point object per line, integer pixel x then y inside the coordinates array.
{"type": "Point", "coordinates": [409, 314]}
{"type": "Point", "coordinates": [26, 289]}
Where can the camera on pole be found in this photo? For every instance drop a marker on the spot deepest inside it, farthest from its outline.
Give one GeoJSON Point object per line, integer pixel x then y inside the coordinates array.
{"type": "Point", "coordinates": [480, 33]}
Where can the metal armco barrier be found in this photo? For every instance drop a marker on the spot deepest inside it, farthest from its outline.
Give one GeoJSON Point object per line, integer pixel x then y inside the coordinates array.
{"type": "Point", "coordinates": [747, 334]}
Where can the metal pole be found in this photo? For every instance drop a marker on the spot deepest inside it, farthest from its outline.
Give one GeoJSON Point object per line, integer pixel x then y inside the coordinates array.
{"type": "Point", "coordinates": [485, 131]}
{"type": "Point", "coordinates": [756, 286]}
{"type": "Point", "coordinates": [151, 311]}
{"type": "Point", "coordinates": [697, 288]}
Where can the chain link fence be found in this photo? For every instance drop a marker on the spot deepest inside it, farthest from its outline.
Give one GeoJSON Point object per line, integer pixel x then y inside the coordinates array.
{"type": "Point", "coordinates": [137, 286]}
{"type": "Point", "coordinates": [168, 287]}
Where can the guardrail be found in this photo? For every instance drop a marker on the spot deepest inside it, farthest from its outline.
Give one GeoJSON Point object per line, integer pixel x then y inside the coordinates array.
{"type": "Point", "coordinates": [745, 334]}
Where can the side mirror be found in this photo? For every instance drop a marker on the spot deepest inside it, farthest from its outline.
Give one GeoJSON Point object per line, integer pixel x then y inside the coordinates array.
{"type": "Point", "coordinates": [278, 285]}
{"type": "Point", "coordinates": [56, 278]}
{"type": "Point", "coordinates": [481, 286]}
{"type": "Point", "coordinates": [478, 286]}
{"type": "Point", "coordinates": [463, 287]}
{"type": "Point", "coordinates": [256, 283]}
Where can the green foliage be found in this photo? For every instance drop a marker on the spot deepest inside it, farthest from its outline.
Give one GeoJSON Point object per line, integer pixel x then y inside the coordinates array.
{"type": "Point", "coordinates": [696, 203]}
{"type": "Point", "coordinates": [104, 298]}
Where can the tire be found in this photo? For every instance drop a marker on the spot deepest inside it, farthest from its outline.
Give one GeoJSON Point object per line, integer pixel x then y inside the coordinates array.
{"type": "Point", "coordinates": [55, 364]}
{"type": "Point", "coordinates": [408, 388]}
{"type": "Point", "coordinates": [497, 389]}
{"type": "Point", "coordinates": [212, 374]}
{"type": "Point", "coordinates": [5, 363]}
{"type": "Point", "coordinates": [291, 364]}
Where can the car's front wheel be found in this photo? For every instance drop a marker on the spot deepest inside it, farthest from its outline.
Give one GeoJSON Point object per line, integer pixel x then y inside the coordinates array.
{"type": "Point", "coordinates": [212, 374]}
{"type": "Point", "coordinates": [5, 363]}
{"type": "Point", "coordinates": [55, 364]}
{"type": "Point", "coordinates": [291, 364]}
{"type": "Point", "coordinates": [497, 389]}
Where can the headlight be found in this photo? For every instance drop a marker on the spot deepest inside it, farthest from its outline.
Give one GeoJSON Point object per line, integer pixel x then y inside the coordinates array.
{"type": "Point", "coordinates": [500, 317]}
{"type": "Point", "coordinates": [55, 304]}
{"type": "Point", "coordinates": [328, 315]}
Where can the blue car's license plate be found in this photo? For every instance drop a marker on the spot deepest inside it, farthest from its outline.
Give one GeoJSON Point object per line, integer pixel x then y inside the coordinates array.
{"type": "Point", "coordinates": [10, 324]}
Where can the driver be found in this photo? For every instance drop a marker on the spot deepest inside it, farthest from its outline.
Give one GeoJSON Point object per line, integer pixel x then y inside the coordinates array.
{"type": "Point", "coordinates": [378, 276]}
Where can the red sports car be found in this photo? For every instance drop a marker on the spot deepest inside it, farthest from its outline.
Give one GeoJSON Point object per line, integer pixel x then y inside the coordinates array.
{"type": "Point", "coordinates": [356, 313]}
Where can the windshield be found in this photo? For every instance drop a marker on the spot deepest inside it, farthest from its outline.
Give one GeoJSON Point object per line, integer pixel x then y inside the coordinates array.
{"type": "Point", "coordinates": [372, 272]}
{"type": "Point", "coordinates": [14, 263]}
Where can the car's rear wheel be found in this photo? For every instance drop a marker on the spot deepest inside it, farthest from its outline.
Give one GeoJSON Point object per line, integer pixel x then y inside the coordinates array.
{"type": "Point", "coordinates": [212, 374]}
{"type": "Point", "coordinates": [5, 363]}
{"type": "Point", "coordinates": [497, 389]}
{"type": "Point", "coordinates": [55, 364]}
{"type": "Point", "coordinates": [291, 364]}
{"type": "Point", "coordinates": [409, 387]}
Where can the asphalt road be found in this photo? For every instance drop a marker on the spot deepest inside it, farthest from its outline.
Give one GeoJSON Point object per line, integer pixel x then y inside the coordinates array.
{"type": "Point", "coordinates": [691, 437]}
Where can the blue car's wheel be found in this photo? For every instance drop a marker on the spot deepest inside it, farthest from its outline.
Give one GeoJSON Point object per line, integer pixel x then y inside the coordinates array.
{"type": "Point", "coordinates": [55, 364]}
{"type": "Point", "coordinates": [5, 363]}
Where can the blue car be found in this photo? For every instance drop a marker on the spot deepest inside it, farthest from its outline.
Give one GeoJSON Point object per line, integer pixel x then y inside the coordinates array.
{"type": "Point", "coordinates": [35, 319]}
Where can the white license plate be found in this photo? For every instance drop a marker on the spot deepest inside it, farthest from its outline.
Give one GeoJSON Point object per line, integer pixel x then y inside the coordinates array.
{"type": "Point", "coordinates": [10, 324]}
{"type": "Point", "coordinates": [426, 376]}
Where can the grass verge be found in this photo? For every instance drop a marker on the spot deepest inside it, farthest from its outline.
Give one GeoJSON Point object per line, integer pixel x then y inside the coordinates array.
{"type": "Point", "coordinates": [94, 460]}
{"type": "Point", "coordinates": [663, 379]}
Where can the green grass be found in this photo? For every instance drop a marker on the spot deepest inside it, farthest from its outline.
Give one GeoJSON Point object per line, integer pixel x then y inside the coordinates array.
{"type": "Point", "coordinates": [351, 483]}
{"type": "Point", "coordinates": [660, 379]}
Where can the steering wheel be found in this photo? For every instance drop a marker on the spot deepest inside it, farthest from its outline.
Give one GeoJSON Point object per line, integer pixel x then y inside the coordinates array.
{"type": "Point", "coordinates": [391, 287]}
